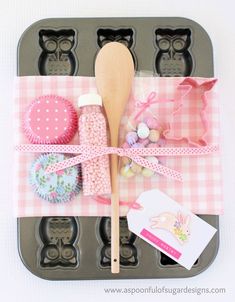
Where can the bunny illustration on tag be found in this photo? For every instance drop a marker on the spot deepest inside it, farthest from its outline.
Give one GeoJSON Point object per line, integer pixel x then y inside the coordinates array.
{"type": "Point", "coordinates": [177, 224]}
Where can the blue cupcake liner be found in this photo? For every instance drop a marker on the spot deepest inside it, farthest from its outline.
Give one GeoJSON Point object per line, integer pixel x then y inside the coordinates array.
{"type": "Point", "coordinates": [57, 187]}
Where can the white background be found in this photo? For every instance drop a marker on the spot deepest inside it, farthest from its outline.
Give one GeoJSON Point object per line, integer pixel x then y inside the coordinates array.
{"type": "Point", "coordinates": [218, 18]}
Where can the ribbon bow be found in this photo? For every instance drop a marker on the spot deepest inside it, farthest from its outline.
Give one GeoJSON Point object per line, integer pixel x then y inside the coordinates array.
{"type": "Point", "coordinates": [136, 154]}
{"type": "Point", "coordinates": [151, 99]}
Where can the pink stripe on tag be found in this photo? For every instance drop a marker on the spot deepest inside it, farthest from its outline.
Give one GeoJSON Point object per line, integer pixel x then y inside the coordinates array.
{"type": "Point", "coordinates": [161, 244]}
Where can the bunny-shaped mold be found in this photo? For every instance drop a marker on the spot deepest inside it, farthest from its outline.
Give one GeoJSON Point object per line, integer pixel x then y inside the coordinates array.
{"type": "Point", "coordinates": [177, 224]}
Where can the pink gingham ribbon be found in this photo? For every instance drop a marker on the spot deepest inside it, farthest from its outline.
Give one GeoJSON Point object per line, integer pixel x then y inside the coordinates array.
{"type": "Point", "coordinates": [136, 154]}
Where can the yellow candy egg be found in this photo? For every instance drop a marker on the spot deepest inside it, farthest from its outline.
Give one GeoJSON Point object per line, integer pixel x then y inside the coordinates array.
{"type": "Point", "coordinates": [147, 172]}
{"type": "Point", "coordinates": [154, 135]}
{"type": "Point", "coordinates": [135, 168]}
{"type": "Point", "coordinates": [126, 172]}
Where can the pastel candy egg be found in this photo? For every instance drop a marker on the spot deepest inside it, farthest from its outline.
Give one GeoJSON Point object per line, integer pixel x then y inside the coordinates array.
{"type": "Point", "coordinates": [126, 160]}
{"type": "Point", "coordinates": [152, 123]}
{"type": "Point", "coordinates": [143, 142]}
{"type": "Point", "coordinates": [126, 172]}
{"type": "Point", "coordinates": [154, 135]}
{"type": "Point", "coordinates": [161, 142]}
{"type": "Point", "coordinates": [137, 145]}
{"type": "Point", "coordinates": [152, 159]}
{"type": "Point", "coordinates": [131, 138]}
{"type": "Point", "coordinates": [136, 168]}
{"type": "Point", "coordinates": [143, 130]}
{"type": "Point", "coordinates": [125, 145]}
{"type": "Point", "coordinates": [153, 145]}
{"type": "Point", "coordinates": [147, 172]}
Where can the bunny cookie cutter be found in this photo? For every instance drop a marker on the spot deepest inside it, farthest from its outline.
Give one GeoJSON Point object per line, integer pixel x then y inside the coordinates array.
{"type": "Point", "coordinates": [187, 86]}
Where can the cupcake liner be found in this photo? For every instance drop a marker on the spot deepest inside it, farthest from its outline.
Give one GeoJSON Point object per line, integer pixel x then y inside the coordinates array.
{"type": "Point", "coordinates": [57, 187]}
{"type": "Point", "coordinates": [50, 119]}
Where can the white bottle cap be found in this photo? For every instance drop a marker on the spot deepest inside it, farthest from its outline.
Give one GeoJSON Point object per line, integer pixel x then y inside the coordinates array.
{"type": "Point", "coordinates": [89, 99]}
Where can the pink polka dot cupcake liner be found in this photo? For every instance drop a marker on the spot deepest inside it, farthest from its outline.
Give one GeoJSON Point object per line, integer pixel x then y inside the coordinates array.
{"type": "Point", "coordinates": [50, 119]}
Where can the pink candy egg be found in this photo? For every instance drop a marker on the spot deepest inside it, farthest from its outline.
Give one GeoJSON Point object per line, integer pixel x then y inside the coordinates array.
{"type": "Point", "coordinates": [152, 123]}
{"type": "Point", "coordinates": [153, 145]}
{"type": "Point", "coordinates": [143, 142]}
{"type": "Point", "coordinates": [161, 142]}
{"type": "Point", "coordinates": [125, 145]}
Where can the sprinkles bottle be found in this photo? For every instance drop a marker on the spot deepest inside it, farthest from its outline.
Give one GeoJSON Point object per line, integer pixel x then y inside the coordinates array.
{"type": "Point", "coordinates": [93, 132]}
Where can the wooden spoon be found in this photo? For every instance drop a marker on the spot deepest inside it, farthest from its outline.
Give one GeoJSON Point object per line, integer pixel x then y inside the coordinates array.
{"type": "Point", "coordinates": [114, 72]}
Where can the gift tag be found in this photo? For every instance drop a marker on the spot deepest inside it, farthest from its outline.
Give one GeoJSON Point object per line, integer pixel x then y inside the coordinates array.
{"type": "Point", "coordinates": [170, 228]}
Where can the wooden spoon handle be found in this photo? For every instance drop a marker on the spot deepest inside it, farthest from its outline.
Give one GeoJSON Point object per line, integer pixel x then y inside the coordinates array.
{"type": "Point", "coordinates": [114, 215]}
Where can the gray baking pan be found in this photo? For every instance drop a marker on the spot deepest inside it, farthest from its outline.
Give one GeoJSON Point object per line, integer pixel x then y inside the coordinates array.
{"type": "Point", "coordinates": [73, 248]}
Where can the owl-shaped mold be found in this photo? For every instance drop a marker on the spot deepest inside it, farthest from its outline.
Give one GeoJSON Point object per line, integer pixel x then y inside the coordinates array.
{"type": "Point", "coordinates": [128, 250]}
{"type": "Point", "coordinates": [57, 57]}
{"type": "Point", "coordinates": [173, 57]}
{"type": "Point", "coordinates": [122, 35]}
{"type": "Point", "coordinates": [58, 236]}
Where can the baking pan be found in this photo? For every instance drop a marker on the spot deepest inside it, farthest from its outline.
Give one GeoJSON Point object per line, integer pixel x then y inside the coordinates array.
{"type": "Point", "coordinates": [73, 248]}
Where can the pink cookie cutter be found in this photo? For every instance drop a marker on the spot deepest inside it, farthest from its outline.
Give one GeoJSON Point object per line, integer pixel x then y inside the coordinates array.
{"type": "Point", "coordinates": [188, 85]}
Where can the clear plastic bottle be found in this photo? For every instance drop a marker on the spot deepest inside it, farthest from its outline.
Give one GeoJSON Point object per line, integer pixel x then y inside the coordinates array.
{"type": "Point", "coordinates": [93, 132]}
